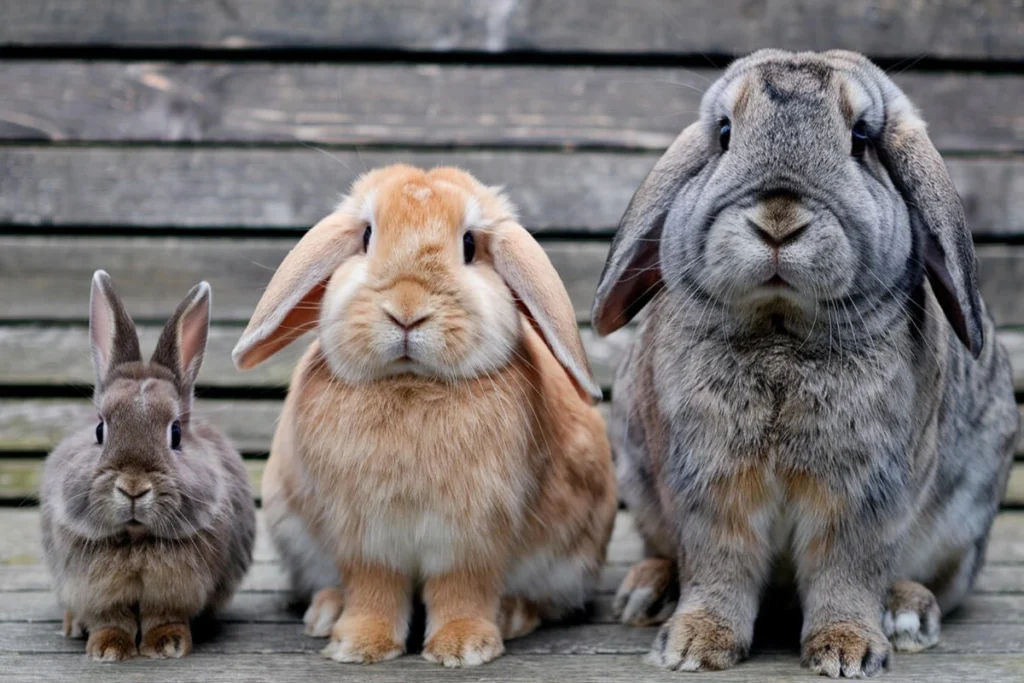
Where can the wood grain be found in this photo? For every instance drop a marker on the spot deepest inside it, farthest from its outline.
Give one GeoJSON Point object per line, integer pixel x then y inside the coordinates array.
{"type": "Point", "coordinates": [40, 355]}
{"type": "Point", "coordinates": [55, 356]}
{"type": "Point", "coordinates": [232, 638]}
{"type": "Point", "coordinates": [20, 477]}
{"type": "Point", "coordinates": [450, 105]}
{"type": "Point", "coordinates": [39, 424]}
{"type": "Point", "coordinates": [46, 277]}
{"type": "Point", "coordinates": [976, 29]}
{"type": "Point", "coordinates": [275, 668]}
{"type": "Point", "coordinates": [290, 189]}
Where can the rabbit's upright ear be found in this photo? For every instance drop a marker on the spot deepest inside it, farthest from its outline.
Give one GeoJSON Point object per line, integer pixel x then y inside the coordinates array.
{"type": "Point", "coordinates": [182, 343]}
{"type": "Point", "coordinates": [112, 335]}
{"type": "Point", "coordinates": [632, 272]}
{"type": "Point", "coordinates": [528, 272]}
{"type": "Point", "coordinates": [290, 306]}
{"type": "Point", "coordinates": [920, 175]}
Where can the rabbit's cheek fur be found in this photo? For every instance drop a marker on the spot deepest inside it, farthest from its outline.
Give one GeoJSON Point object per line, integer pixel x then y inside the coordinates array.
{"type": "Point", "coordinates": [466, 325]}
{"type": "Point", "coordinates": [739, 264]}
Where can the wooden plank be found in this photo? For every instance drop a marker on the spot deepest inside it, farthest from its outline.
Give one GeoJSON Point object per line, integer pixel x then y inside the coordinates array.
{"type": "Point", "coordinates": [417, 105]}
{"type": "Point", "coordinates": [264, 598]}
{"type": "Point", "coordinates": [39, 424]}
{"type": "Point", "coordinates": [39, 355]}
{"type": "Point", "coordinates": [22, 541]}
{"type": "Point", "coordinates": [290, 189]}
{"type": "Point", "coordinates": [287, 188]}
{"type": "Point", "coordinates": [21, 564]}
{"type": "Point", "coordinates": [888, 28]}
{"type": "Point", "coordinates": [301, 668]}
{"type": "Point", "coordinates": [46, 277]}
{"type": "Point", "coordinates": [35, 425]}
{"type": "Point", "coordinates": [20, 477]}
{"type": "Point", "coordinates": [21, 545]}
{"type": "Point", "coordinates": [232, 638]}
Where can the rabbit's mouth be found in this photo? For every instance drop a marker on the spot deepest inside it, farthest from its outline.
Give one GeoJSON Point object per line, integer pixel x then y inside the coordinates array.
{"type": "Point", "coordinates": [775, 281]}
{"type": "Point", "coordinates": [136, 529]}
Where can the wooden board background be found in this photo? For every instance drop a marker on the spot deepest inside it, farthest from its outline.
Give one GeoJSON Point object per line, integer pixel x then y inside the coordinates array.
{"type": "Point", "coordinates": [169, 142]}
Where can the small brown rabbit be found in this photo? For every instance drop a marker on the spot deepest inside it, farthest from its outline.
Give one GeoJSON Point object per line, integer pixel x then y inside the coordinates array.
{"type": "Point", "coordinates": [148, 518]}
{"type": "Point", "coordinates": [438, 433]}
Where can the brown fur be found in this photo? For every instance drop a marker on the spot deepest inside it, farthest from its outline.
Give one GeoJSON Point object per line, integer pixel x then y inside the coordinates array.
{"type": "Point", "coordinates": [111, 644]}
{"type": "Point", "coordinates": [841, 648]}
{"type": "Point", "coordinates": [483, 445]}
{"type": "Point", "coordinates": [142, 530]}
{"type": "Point", "coordinates": [699, 640]}
{"type": "Point", "coordinates": [173, 640]}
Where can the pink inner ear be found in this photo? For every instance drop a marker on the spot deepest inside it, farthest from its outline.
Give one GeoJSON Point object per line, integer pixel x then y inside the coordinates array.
{"type": "Point", "coordinates": [102, 329]}
{"type": "Point", "coordinates": [191, 338]}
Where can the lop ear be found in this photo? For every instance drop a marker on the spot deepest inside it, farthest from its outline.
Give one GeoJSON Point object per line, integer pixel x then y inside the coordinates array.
{"type": "Point", "coordinates": [290, 305]}
{"type": "Point", "coordinates": [528, 272]}
{"type": "Point", "coordinates": [632, 271]}
{"type": "Point", "coordinates": [112, 335]}
{"type": "Point", "coordinates": [921, 177]}
{"type": "Point", "coordinates": [182, 342]}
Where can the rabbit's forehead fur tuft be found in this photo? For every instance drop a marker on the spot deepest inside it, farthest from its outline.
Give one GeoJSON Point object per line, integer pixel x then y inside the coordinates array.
{"type": "Point", "coordinates": [142, 399]}
{"type": "Point", "coordinates": [410, 204]}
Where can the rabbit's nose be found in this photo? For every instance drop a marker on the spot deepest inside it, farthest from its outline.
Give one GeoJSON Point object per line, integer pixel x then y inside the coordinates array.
{"type": "Point", "coordinates": [779, 218]}
{"type": "Point", "coordinates": [407, 321]}
{"type": "Point", "coordinates": [132, 489]}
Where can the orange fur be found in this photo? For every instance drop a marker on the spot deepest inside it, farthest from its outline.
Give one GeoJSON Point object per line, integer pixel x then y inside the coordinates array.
{"type": "Point", "coordinates": [477, 464]}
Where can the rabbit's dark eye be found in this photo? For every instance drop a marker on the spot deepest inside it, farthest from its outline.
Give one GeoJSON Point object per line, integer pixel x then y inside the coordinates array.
{"type": "Point", "coordinates": [99, 433]}
{"type": "Point", "coordinates": [366, 237]}
{"type": "Point", "coordinates": [859, 139]}
{"type": "Point", "coordinates": [468, 247]}
{"type": "Point", "coordinates": [175, 435]}
{"type": "Point", "coordinates": [724, 132]}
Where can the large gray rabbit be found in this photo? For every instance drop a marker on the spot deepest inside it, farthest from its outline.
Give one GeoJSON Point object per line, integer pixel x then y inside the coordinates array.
{"type": "Point", "coordinates": [795, 408]}
{"type": "Point", "coordinates": [148, 518]}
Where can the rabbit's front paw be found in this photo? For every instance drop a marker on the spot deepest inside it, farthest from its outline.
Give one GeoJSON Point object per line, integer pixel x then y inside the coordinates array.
{"type": "Point", "coordinates": [110, 644]}
{"type": "Point", "coordinates": [167, 641]}
{"type": "Point", "coordinates": [72, 627]}
{"type": "Point", "coordinates": [517, 617]}
{"type": "Point", "coordinates": [912, 617]}
{"type": "Point", "coordinates": [696, 640]}
{"type": "Point", "coordinates": [464, 642]}
{"type": "Point", "coordinates": [648, 594]}
{"type": "Point", "coordinates": [323, 611]}
{"type": "Point", "coordinates": [846, 649]}
{"type": "Point", "coordinates": [362, 639]}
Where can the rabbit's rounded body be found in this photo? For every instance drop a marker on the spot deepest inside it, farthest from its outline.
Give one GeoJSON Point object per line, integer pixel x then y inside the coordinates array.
{"type": "Point", "coordinates": [147, 517]}
{"type": "Point", "coordinates": [816, 396]}
{"type": "Point", "coordinates": [427, 478]}
{"type": "Point", "coordinates": [159, 575]}
{"type": "Point", "coordinates": [781, 438]}
{"type": "Point", "coordinates": [436, 435]}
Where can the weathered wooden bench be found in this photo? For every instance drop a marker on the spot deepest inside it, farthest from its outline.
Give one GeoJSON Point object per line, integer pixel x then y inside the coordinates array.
{"type": "Point", "coordinates": [170, 142]}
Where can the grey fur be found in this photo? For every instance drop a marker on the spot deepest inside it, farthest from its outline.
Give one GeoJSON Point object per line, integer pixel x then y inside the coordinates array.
{"type": "Point", "coordinates": [835, 434]}
{"type": "Point", "coordinates": [191, 540]}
